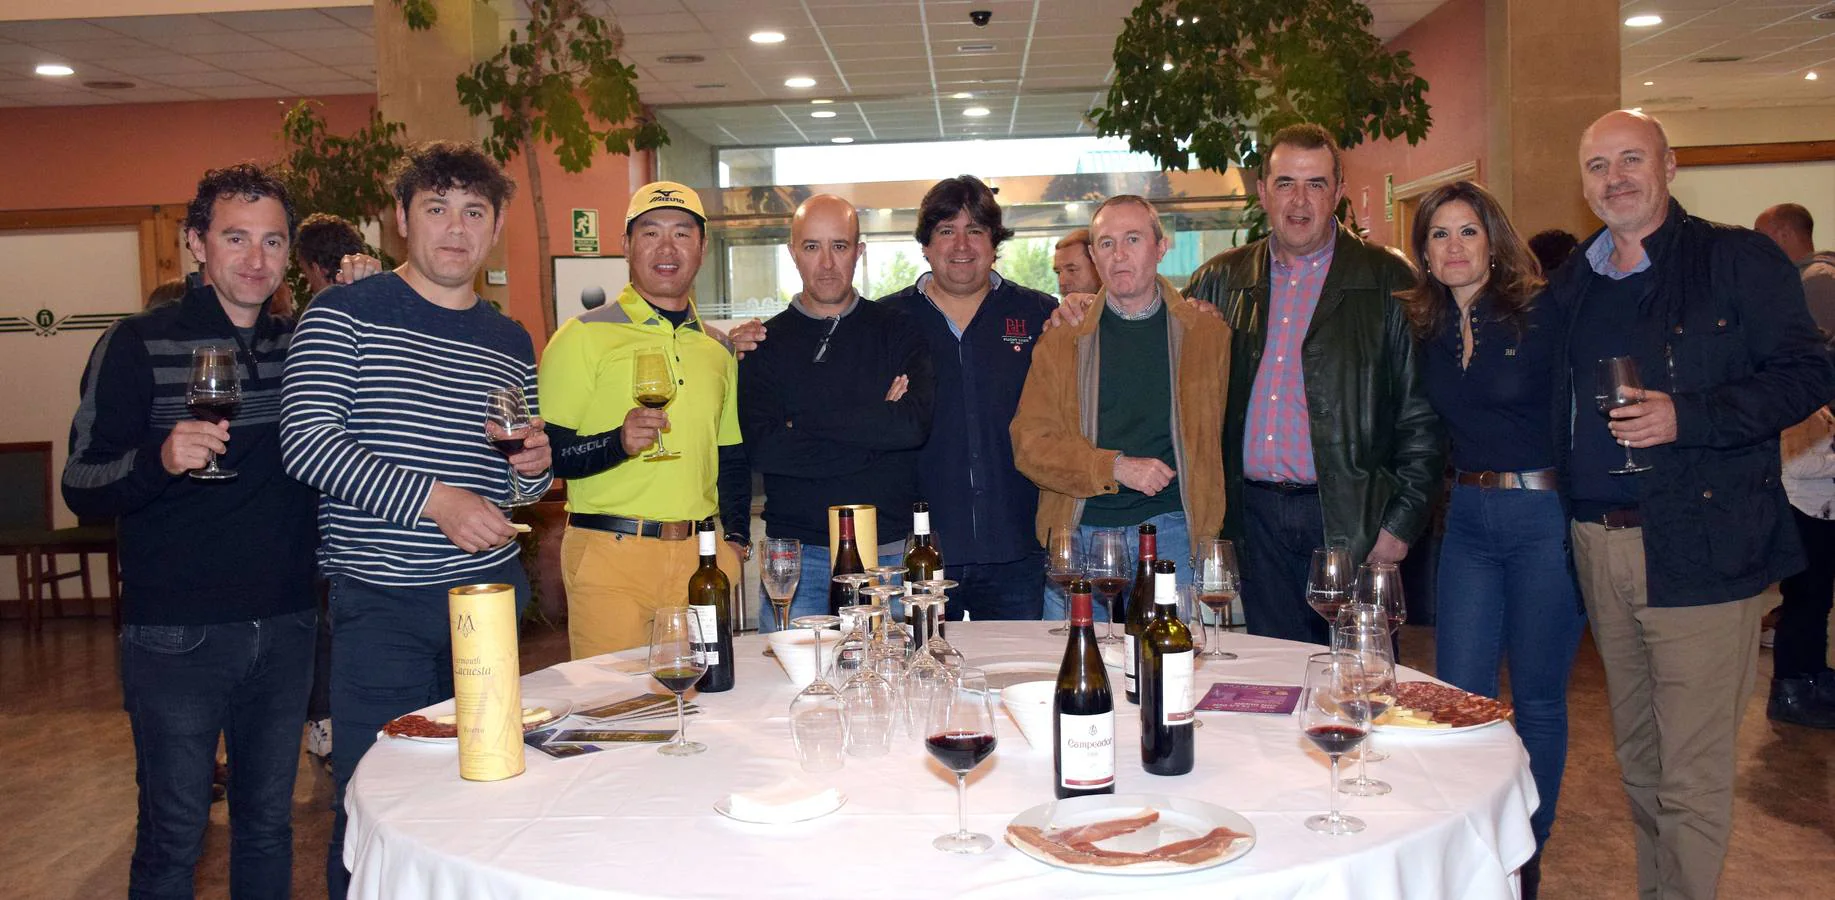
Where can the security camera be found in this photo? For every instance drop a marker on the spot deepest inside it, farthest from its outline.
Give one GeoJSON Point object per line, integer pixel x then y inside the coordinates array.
{"type": "Point", "coordinates": [981, 17]}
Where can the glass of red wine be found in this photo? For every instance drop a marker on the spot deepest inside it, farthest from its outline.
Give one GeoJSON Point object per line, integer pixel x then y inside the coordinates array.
{"type": "Point", "coordinates": [506, 426]}
{"type": "Point", "coordinates": [1616, 385]}
{"type": "Point", "coordinates": [1328, 583]}
{"type": "Point", "coordinates": [213, 395]}
{"type": "Point", "coordinates": [1335, 716]}
{"type": "Point", "coordinates": [1218, 581]}
{"type": "Point", "coordinates": [1108, 564]}
{"type": "Point", "coordinates": [1063, 565]}
{"type": "Point", "coordinates": [674, 632]}
{"type": "Point", "coordinates": [960, 734]}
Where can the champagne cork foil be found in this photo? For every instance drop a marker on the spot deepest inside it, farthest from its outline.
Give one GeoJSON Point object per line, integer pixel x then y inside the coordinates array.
{"type": "Point", "coordinates": [866, 533]}
{"type": "Point", "coordinates": [486, 681]}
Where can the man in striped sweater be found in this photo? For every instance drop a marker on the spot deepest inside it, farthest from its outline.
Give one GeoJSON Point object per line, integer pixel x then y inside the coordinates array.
{"type": "Point", "coordinates": [382, 409]}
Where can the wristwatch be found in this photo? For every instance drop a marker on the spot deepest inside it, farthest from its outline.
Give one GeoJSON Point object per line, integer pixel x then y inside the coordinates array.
{"type": "Point", "coordinates": [733, 537]}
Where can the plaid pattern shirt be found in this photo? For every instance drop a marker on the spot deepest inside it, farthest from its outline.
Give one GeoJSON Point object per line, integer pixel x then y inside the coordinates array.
{"type": "Point", "coordinates": [1277, 442]}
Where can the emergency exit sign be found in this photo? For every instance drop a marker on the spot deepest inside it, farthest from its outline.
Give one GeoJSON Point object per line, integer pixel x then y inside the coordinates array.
{"type": "Point", "coordinates": [586, 232]}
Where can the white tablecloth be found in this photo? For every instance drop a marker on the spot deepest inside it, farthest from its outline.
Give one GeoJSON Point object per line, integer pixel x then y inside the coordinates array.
{"type": "Point", "coordinates": [629, 822]}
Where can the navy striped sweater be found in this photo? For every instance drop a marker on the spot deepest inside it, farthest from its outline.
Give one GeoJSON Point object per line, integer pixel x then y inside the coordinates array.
{"type": "Point", "coordinates": [384, 395]}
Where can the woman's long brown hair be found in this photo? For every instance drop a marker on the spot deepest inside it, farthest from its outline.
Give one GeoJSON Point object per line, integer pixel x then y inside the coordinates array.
{"type": "Point", "coordinates": [1515, 277]}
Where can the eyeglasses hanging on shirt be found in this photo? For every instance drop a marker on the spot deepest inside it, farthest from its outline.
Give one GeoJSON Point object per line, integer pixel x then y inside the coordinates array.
{"type": "Point", "coordinates": [834, 322]}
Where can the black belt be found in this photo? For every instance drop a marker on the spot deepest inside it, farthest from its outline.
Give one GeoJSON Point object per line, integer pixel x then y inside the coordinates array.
{"type": "Point", "coordinates": [1615, 519]}
{"type": "Point", "coordinates": [1538, 480]}
{"type": "Point", "coordinates": [1284, 487]}
{"type": "Point", "coordinates": [667, 531]}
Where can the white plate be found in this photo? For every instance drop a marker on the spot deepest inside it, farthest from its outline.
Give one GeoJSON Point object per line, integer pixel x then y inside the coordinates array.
{"type": "Point", "coordinates": [1407, 729]}
{"type": "Point", "coordinates": [1180, 819]}
{"type": "Point", "coordinates": [1009, 670]}
{"type": "Point", "coordinates": [724, 806]}
{"type": "Point", "coordinates": [560, 708]}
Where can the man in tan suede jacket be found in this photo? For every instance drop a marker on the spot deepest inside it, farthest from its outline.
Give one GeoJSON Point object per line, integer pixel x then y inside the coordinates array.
{"type": "Point", "coordinates": [1121, 420]}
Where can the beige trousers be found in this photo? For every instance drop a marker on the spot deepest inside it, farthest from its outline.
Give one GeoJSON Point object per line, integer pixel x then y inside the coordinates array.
{"type": "Point", "coordinates": [616, 583]}
{"type": "Point", "coordinates": [1677, 679]}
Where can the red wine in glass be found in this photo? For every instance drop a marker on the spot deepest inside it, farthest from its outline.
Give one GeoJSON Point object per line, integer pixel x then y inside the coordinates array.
{"type": "Point", "coordinates": [509, 446]}
{"type": "Point", "coordinates": [1336, 740]}
{"type": "Point", "coordinates": [678, 679]}
{"type": "Point", "coordinates": [1110, 587]}
{"type": "Point", "coordinates": [212, 409]}
{"type": "Point", "coordinates": [960, 751]}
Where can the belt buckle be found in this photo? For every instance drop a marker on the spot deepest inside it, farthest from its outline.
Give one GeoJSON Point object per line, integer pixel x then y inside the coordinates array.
{"type": "Point", "coordinates": [1488, 479]}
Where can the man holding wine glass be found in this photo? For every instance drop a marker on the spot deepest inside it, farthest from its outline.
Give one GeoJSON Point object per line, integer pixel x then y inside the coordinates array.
{"type": "Point", "coordinates": [1679, 519]}
{"type": "Point", "coordinates": [218, 609]}
{"type": "Point", "coordinates": [614, 380]}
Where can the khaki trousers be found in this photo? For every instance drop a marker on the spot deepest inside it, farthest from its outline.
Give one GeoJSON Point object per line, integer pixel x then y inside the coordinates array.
{"type": "Point", "coordinates": [617, 582]}
{"type": "Point", "coordinates": [1677, 679]}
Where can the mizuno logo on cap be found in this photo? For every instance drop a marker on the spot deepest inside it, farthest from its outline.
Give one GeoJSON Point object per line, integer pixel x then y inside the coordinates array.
{"type": "Point", "coordinates": [666, 197]}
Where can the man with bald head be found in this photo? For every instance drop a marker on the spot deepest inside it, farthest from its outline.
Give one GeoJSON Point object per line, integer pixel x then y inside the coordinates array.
{"type": "Point", "coordinates": [1791, 227]}
{"type": "Point", "coordinates": [1672, 557]}
{"type": "Point", "coordinates": [836, 405]}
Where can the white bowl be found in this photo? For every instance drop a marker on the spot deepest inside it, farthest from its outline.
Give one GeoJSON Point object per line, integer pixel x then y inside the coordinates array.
{"type": "Point", "coordinates": [1029, 703]}
{"type": "Point", "coordinates": [795, 651]}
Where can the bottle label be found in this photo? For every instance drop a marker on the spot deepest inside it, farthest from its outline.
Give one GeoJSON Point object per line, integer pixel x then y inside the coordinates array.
{"type": "Point", "coordinates": [707, 542]}
{"type": "Point", "coordinates": [707, 650]}
{"type": "Point", "coordinates": [1176, 675]}
{"type": "Point", "coordinates": [920, 523]}
{"type": "Point", "coordinates": [1128, 660]}
{"type": "Point", "coordinates": [1086, 751]}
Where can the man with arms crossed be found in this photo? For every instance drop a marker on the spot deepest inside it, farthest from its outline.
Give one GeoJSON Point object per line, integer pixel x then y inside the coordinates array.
{"type": "Point", "coordinates": [218, 613]}
{"type": "Point", "coordinates": [383, 411]}
{"type": "Point", "coordinates": [836, 404]}
{"type": "Point", "coordinates": [629, 546]}
{"type": "Point", "coordinates": [1672, 560]}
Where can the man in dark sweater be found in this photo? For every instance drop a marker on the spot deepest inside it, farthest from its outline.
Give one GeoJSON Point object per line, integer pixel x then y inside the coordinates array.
{"type": "Point", "coordinates": [835, 406]}
{"type": "Point", "coordinates": [217, 603]}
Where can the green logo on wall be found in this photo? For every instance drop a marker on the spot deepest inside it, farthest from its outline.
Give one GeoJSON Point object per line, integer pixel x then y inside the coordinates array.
{"type": "Point", "coordinates": [46, 323]}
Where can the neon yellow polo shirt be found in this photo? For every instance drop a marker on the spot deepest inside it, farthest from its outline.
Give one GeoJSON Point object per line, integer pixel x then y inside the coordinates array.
{"type": "Point", "coordinates": [585, 385]}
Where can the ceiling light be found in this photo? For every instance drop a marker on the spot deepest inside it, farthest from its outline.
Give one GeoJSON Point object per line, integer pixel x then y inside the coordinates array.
{"type": "Point", "coordinates": [1181, 21]}
{"type": "Point", "coordinates": [822, 114]}
{"type": "Point", "coordinates": [710, 85]}
{"type": "Point", "coordinates": [800, 81]}
{"type": "Point", "coordinates": [1647, 21]}
{"type": "Point", "coordinates": [819, 101]}
{"type": "Point", "coordinates": [767, 37]}
{"type": "Point", "coordinates": [961, 95]}
{"type": "Point", "coordinates": [975, 112]}
{"type": "Point", "coordinates": [1809, 76]}
{"type": "Point", "coordinates": [54, 70]}
{"type": "Point", "coordinates": [1649, 83]}
{"type": "Point", "coordinates": [681, 59]}
{"type": "Point", "coordinates": [840, 140]}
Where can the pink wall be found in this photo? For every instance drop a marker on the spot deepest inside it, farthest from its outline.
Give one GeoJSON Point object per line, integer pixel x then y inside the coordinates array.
{"type": "Point", "coordinates": [1448, 49]}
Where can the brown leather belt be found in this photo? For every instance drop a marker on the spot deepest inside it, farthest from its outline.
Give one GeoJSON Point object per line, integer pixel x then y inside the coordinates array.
{"type": "Point", "coordinates": [1621, 518]}
{"type": "Point", "coordinates": [1538, 480]}
{"type": "Point", "coordinates": [650, 528]}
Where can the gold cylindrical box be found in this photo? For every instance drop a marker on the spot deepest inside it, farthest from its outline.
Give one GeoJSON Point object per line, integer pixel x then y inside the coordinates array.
{"type": "Point", "coordinates": [866, 533]}
{"type": "Point", "coordinates": [486, 681]}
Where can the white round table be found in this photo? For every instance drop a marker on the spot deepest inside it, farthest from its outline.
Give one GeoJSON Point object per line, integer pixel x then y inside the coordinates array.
{"type": "Point", "coordinates": [628, 822]}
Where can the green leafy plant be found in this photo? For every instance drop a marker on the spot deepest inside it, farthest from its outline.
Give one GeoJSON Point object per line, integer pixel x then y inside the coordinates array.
{"type": "Point", "coordinates": [1027, 261]}
{"type": "Point", "coordinates": [894, 275]}
{"type": "Point", "coordinates": [342, 175]}
{"type": "Point", "coordinates": [1207, 82]}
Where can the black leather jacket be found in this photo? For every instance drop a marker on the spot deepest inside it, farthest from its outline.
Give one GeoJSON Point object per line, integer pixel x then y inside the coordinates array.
{"type": "Point", "coordinates": [1377, 445]}
{"type": "Point", "coordinates": [1743, 362]}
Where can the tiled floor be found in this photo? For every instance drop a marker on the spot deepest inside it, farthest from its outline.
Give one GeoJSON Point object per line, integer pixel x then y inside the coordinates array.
{"type": "Point", "coordinates": [67, 785]}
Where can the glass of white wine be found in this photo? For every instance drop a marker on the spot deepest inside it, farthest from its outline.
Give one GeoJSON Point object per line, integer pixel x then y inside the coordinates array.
{"type": "Point", "coordinates": [653, 386]}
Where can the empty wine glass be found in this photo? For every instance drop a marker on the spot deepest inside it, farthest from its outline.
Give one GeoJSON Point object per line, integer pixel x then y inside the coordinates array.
{"type": "Point", "coordinates": [1335, 716]}
{"type": "Point", "coordinates": [851, 583]}
{"type": "Point", "coordinates": [674, 632]}
{"type": "Point", "coordinates": [1108, 564]}
{"type": "Point", "coordinates": [936, 602]}
{"type": "Point", "coordinates": [869, 701]}
{"type": "Point", "coordinates": [818, 715]}
{"type": "Point", "coordinates": [653, 386]}
{"type": "Point", "coordinates": [1063, 565]}
{"type": "Point", "coordinates": [213, 395]}
{"type": "Point", "coordinates": [1328, 582]}
{"type": "Point", "coordinates": [1615, 385]}
{"type": "Point", "coordinates": [506, 426]}
{"type": "Point", "coordinates": [781, 568]}
{"type": "Point", "coordinates": [1376, 661]}
{"type": "Point", "coordinates": [1218, 581]}
{"type": "Point", "coordinates": [960, 735]}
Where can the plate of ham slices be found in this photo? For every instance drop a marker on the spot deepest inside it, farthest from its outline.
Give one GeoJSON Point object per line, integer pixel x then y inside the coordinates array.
{"type": "Point", "coordinates": [1131, 834]}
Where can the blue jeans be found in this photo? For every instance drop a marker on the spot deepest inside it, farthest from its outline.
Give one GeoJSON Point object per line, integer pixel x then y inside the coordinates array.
{"type": "Point", "coordinates": [391, 654]}
{"type": "Point", "coordinates": [1280, 533]}
{"type": "Point", "coordinates": [1173, 540]}
{"type": "Point", "coordinates": [812, 588]}
{"type": "Point", "coordinates": [183, 685]}
{"type": "Point", "coordinates": [1507, 596]}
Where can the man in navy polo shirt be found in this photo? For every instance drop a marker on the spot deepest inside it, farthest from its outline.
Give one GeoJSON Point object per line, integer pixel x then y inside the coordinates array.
{"type": "Point", "coordinates": [980, 329]}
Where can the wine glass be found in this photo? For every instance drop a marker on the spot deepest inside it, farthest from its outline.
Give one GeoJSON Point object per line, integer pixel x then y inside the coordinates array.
{"type": "Point", "coordinates": [213, 395]}
{"type": "Point", "coordinates": [1376, 659]}
{"type": "Point", "coordinates": [674, 632]}
{"type": "Point", "coordinates": [1616, 385]}
{"type": "Point", "coordinates": [1379, 585]}
{"type": "Point", "coordinates": [1328, 582]}
{"type": "Point", "coordinates": [1063, 565]}
{"type": "Point", "coordinates": [781, 567]}
{"type": "Point", "coordinates": [960, 734]}
{"type": "Point", "coordinates": [818, 715]}
{"type": "Point", "coordinates": [1108, 563]}
{"type": "Point", "coordinates": [1335, 716]}
{"type": "Point", "coordinates": [1218, 581]}
{"type": "Point", "coordinates": [506, 426]}
{"type": "Point", "coordinates": [653, 386]}
{"type": "Point", "coordinates": [936, 600]}
{"type": "Point", "coordinates": [868, 699]}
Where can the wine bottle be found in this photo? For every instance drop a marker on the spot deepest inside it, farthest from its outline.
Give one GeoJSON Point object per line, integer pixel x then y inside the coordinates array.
{"type": "Point", "coordinates": [708, 595]}
{"type": "Point", "coordinates": [1165, 677]}
{"type": "Point", "coordinates": [1082, 709]}
{"type": "Point", "coordinates": [846, 562]}
{"type": "Point", "coordinates": [923, 561]}
{"type": "Point", "coordinates": [1140, 606]}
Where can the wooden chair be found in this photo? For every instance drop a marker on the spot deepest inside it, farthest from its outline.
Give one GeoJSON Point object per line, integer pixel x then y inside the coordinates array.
{"type": "Point", "coordinates": [27, 534]}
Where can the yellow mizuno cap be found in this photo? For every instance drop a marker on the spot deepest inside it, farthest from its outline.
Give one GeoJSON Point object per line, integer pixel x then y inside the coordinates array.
{"type": "Point", "coordinates": [660, 194]}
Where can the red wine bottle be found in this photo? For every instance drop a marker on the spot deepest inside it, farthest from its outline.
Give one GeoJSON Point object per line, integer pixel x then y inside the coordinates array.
{"type": "Point", "coordinates": [709, 593]}
{"type": "Point", "coordinates": [1140, 605]}
{"type": "Point", "coordinates": [1082, 709]}
{"type": "Point", "coordinates": [846, 562]}
{"type": "Point", "coordinates": [1165, 679]}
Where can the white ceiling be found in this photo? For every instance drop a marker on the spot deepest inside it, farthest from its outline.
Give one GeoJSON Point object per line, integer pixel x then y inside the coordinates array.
{"type": "Point", "coordinates": [1777, 43]}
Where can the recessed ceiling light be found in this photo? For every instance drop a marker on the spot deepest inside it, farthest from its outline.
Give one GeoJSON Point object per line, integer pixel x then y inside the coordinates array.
{"type": "Point", "coordinates": [820, 101]}
{"type": "Point", "coordinates": [1809, 76]}
{"type": "Point", "coordinates": [975, 112]}
{"type": "Point", "coordinates": [961, 95]}
{"type": "Point", "coordinates": [54, 70]}
{"type": "Point", "coordinates": [974, 48]}
{"type": "Point", "coordinates": [1649, 83]}
{"type": "Point", "coordinates": [822, 114]}
{"type": "Point", "coordinates": [800, 81]}
{"type": "Point", "coordinates": [840, 140]}
{"type": "Point", "coordinates": [767, 37]}
{"type": "Point", "coordinates": [681, 59]}
{"type": "Point", "coordinates": [1643, 21]}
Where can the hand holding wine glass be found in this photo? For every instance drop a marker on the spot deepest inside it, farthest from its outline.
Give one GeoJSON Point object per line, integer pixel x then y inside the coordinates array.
{"type": "Point", "coordinates": [653, 386]}
{"type": "Point", "coordinates": [212, 396]}
{"type": "Point", "coordinates": [1616, 385]}
{"type": "Point", "coordinates": [674, 632]}
{"type": "Point", "coordinates": [960, 735]}
{"type": "Point", "coordinates": [507, 426]}
{"type": "Point", "coordinates": [1335, 716]}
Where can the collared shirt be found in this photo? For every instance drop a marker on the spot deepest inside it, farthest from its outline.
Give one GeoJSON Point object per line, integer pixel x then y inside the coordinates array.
{"type": "Point", "coordinates": [1277, 440]}
{"type": "Point", "coordinates": [923, 288]}
{"type": "Point", "coordinates": [585, 382]}
{"type": "Point", "coordinates": [1599, 257]}
{"type": "Point", "coordinates": [1496, 408]}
